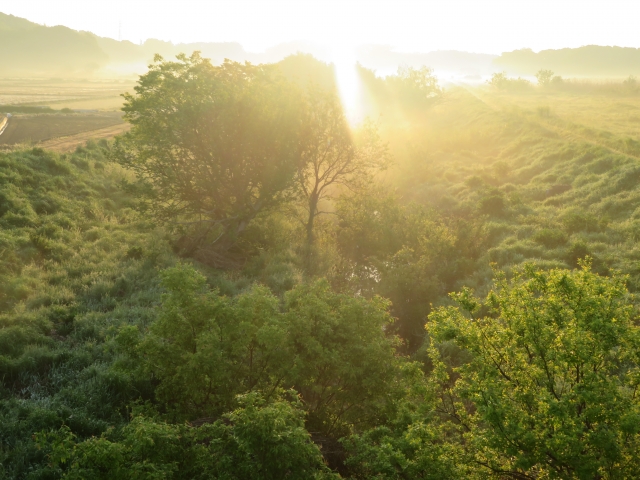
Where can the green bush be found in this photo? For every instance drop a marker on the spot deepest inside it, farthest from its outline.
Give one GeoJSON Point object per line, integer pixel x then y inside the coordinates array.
{"type": "Point", "coordinates": [550, 237]}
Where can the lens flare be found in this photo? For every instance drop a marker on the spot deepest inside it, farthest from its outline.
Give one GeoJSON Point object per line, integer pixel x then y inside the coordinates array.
{"type": "Point", "coordinates": [349, 86]}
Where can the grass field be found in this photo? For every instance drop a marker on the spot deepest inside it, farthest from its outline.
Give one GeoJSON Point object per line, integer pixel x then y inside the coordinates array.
{"type": "Point", "coordinates": [59, 93]}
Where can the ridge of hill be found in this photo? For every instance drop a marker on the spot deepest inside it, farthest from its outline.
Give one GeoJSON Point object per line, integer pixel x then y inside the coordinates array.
{"type": "Point", "coordinates": [27, 47]}
{"type": "Point", "coordinates": [30, 49]}
{"type": "Point", "coordinates": [589, 60]}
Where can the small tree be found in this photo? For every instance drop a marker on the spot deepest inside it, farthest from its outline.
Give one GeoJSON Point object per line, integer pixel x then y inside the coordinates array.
{"type": "Point", "coordinates": [414, 88]}
{"type": "Point", "coordinates": [331, 156]}
{"type": "Point", "coordinates": [211, 146]}
{"type": "Point", "coordinates": [544, 77]}
{"type": "Point", "coordinates": [499, 80]}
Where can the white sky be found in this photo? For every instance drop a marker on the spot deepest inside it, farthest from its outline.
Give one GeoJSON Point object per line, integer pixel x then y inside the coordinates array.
{"type": "Point", "coordinates": [487, 26]}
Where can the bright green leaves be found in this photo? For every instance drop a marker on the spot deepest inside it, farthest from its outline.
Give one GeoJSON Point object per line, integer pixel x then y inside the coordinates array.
{"type": "Point", "coordinates": [550, 385]}
{"type": "Point", "coordinates": [269, 440]}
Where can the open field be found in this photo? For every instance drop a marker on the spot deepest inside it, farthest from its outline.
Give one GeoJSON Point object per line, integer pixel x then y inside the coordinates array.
{"type": "Point", "coordinates": [59, 93]}
{"type": "Point", "coordinates": [36, 128]}
{"type": "Point", "coordinates": [97, 105]}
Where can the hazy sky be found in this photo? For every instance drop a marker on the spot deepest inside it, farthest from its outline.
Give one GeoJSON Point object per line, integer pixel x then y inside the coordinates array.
{"type": "Point", "coordinates": [489, 26]}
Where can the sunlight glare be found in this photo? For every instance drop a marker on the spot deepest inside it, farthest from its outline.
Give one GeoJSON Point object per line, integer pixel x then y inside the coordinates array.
{"type": "Point", "coordinates": [344, 59]}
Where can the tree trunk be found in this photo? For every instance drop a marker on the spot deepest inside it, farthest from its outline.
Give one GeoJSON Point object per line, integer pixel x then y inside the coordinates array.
{"type": "Point", "coordinates": [313, 211]}
{"type": "Point", "coordinates": [217, 253]}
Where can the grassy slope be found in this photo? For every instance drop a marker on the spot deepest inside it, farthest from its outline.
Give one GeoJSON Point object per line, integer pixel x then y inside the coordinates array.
{"type": "Point", "coordinates": [75, 263]}
{"type": "Point", "coordinates": [499, 154]}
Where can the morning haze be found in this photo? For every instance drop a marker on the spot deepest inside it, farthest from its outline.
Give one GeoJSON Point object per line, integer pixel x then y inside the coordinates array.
{"type": "Point", "coordinates": [319, 240]}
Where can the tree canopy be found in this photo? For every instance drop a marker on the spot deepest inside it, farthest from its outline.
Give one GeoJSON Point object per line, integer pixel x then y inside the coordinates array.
{"type": "Point", "coordinates": [552, 374]}
{"type": "Point", "coordinates": [212, 146]}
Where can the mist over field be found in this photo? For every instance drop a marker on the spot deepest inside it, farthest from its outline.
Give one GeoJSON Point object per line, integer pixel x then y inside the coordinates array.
{"type": "Point", "coordinates": [311, 240]}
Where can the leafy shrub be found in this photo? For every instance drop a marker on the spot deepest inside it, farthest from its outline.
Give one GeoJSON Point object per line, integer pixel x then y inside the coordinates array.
{"type": "Point", "coordinates": [494, 205]}
{"type": "Point", "coordinates": [580, 221]}
{"type": "Point", "coordinates": [262, 440]}
{"type": "Point", "coordinates": [205, 349]}
{"type": "Point", "coordinates": [550, 238]}
{"type": "Point", "coordinates": [554, 368]}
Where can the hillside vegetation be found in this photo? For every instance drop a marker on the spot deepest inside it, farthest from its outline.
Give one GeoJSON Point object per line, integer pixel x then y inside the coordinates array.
{"type": "Point", "coordinates": [257, 290]}
{"type": "Point", "coordinates": [589, 61]}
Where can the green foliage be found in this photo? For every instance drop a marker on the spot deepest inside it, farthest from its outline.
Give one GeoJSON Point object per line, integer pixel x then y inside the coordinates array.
{"type": "Point", "coordinates": [411, 91]}
{"type": "Point", "coordinates": [550, 238]}
{"type": "Point", "coordinates": [493, 204]}
{"type": "Point", "coordinates": [414, 444]}
{"type": "Point", "coordinates": [332, 159]}
{"type": "Point", "coordinates": [232, 129]}
{"type": "Point", "coordinates": [552, 377]}
{"type": "Point", "coordinates": [406, 253]}
{"type": "Point", "coordinates": [205, 349]}
{"type": "Point", "coordinates": [258, 440]}
{"type": "Point", "coordinates": [65, 280]}
{"type": "Point", "coordinates": [415, 86]}
{"type": "Point", "coordinates": [305, 70]}
{"type": "Point", "coordinates": [413, 451]}
{"type": "Point", "coordinates": [132, 367]}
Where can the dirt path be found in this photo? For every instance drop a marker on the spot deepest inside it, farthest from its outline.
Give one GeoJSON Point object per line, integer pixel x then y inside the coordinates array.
{"type": "Point", "coordinates": [3, 124]}
{"type": "Point", "coordinates": [69, 143]}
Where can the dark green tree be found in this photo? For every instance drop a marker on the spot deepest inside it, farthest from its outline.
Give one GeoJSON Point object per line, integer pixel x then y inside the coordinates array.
{"type": "Point", "coordinates": [212, 146]}
{"type": "Point", "coordinates": [406, 253]}
{"type": "Point", "coordinates": [205, 349]}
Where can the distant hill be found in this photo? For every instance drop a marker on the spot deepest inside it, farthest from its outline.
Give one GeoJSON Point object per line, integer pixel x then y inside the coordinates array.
{"type": "Point", "coordinates": [385, 60]}
{"type": "Point", "coordinates": [128, 58]}
{"type": "Point", "coordinates": [590, 60]}
{"type": "Point", "coordinates": [29, 48]}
